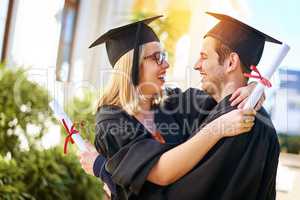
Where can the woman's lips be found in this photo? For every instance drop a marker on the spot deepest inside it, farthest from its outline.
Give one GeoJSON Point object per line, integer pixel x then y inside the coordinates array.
{"type": "Point", "coordinates": [162, 77]}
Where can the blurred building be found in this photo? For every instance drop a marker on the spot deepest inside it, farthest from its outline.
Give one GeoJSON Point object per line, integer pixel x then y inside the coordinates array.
{"type": "Point", "coordinates": [286, 107]}
{"type": "Point", "coordinates": [50, 38]}
{"type": "Point", "coordinates": [285, 111]}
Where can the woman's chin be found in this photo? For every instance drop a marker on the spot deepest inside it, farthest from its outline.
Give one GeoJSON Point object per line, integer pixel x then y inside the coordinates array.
{"type": "Point", "coordinates": [161, 82]}
{"type": "Point", "coordinates": [156, 86]}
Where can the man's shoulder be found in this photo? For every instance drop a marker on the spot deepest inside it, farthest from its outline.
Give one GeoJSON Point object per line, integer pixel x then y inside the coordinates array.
{"type": "Point", "coordinates": [264, 119]}
{"type": "Point", "coordinates": [265, 126]}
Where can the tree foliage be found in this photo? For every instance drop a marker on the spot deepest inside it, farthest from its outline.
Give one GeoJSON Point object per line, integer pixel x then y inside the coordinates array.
{"type": "Point", "coordinates": [33, 172]}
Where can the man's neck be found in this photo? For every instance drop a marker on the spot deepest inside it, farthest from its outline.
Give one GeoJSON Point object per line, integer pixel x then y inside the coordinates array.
{"type": "Point", "coordinates": [227, 89]}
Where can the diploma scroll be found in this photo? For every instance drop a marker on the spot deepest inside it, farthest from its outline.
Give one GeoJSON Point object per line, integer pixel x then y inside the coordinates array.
{"type": "Point", "coordinates": [61, 115]}
{"type": "Point", "coordinates": [259, 89]}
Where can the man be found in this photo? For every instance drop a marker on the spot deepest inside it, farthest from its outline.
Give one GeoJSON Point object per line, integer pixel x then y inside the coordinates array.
{"type": "Point", "coordinates": [242, 167]}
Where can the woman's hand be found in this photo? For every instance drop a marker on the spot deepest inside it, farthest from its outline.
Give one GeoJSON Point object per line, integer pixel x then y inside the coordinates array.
{"type": "Point", "coordinates": [107, 191]}
{"type": "Point", "coordinates": [88, 158]}
{"type": "Point", "coordinates": [240, 96]}
{"type": "Point", "coordinates": [233, 123]}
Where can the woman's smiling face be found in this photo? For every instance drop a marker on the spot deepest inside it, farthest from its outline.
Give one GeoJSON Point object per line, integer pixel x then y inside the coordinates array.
{"type": "Point", "coordinates": [153, 69]}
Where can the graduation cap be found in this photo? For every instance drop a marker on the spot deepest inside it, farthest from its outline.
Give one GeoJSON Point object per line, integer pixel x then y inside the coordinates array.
{"type": "Point", "coordinates": [121, 40]}
{"type": "Point", "coordinates": [243, 39]}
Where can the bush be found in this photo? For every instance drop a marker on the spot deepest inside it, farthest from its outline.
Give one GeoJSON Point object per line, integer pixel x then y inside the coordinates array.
{"type": "Point", "coordinates": [289, 143]}
{"type": "Point", "coordinates": [11, 186]}
{"type": "Point", "coordinates": [21, 103]}
{"type": "Point", "coordinates": [46, 175]}
{"type": "Point", "coordinates": [82, 113]}
{"type": "Point", "coordinates": [35, 173]}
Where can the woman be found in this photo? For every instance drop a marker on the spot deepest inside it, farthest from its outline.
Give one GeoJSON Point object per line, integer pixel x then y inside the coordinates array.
{"type": "Point", "coordinates": [142, 153]}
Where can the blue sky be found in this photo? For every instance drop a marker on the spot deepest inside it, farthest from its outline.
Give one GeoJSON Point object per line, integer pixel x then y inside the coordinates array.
{"type": "Point", "coordinates": [280, 19]}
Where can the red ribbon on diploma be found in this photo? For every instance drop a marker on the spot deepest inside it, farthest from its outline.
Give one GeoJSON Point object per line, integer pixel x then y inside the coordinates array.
{"type": "Point", "coordinates": [69, 136]}
{"type": "Point", "coordinates": [263, 80]}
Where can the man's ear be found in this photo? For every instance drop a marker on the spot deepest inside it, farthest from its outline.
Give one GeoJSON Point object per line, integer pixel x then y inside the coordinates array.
{"type": "Point", "coordinates": [233, 62]}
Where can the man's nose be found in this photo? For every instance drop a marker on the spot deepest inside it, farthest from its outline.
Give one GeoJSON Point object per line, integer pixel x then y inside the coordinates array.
{"type": "Point", "coordinates": [198, 65]}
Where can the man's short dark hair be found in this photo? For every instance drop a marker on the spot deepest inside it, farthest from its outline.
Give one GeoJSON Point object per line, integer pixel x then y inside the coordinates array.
{"type": "Point", "coordinates": [223, 52]}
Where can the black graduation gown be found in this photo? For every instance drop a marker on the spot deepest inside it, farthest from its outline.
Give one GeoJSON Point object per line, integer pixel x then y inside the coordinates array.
{"type": "Point", "coordinates": [240, 167]}
{"type": "Point", "coordinates": [130, 149]}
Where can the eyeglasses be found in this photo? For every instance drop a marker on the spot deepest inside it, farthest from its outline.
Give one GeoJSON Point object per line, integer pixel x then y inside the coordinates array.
{"type": "Point", "coordinates": [158, 56]}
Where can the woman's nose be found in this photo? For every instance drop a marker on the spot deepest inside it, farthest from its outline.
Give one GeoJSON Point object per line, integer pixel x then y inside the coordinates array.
{"type": "Point", "coordinates": [165, 65]}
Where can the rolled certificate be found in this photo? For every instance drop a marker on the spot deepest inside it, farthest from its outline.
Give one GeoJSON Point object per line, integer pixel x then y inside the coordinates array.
{"type": "Point", "coordinates": [61, 115]}
{"type": "Point", "coordinates": [259, 89]}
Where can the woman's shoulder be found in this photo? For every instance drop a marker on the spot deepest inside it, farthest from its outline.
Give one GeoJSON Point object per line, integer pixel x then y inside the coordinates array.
{"type": "Point", "coordinates": [111, 131]}
{"type": "Point", "coordinates": [110, 113]}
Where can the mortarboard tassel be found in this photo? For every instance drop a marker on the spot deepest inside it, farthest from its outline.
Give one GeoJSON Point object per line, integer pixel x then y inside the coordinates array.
{"type": "Point", "coordinates": [135, 63]}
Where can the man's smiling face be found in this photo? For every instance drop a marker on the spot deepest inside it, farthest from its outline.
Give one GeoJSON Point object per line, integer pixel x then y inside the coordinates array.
{"type": "Point", "coordinates": [212, 72]}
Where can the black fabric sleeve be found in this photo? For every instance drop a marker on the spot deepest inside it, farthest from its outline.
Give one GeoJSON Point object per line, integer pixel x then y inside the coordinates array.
{"type": "Point", "coordinates": [136, 161]}
{"type": "Point", "coordinates": [100, 171]}
{"type": "Point", "coordinates": [131, 153]}
{"type": "Point", "coordinates": [98, 164]}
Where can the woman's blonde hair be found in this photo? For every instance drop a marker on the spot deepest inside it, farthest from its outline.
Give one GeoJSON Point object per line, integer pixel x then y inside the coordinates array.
{"type": "Point", "coordinates": [120, 91]}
